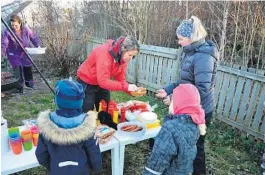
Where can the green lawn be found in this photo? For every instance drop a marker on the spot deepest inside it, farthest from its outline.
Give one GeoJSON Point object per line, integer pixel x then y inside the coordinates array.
{"type": "Point", "coordinates": [227, 151]}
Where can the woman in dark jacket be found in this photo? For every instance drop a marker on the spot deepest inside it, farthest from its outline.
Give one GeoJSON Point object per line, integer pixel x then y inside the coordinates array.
{"type": "Point", "coordinates": [198, 67]}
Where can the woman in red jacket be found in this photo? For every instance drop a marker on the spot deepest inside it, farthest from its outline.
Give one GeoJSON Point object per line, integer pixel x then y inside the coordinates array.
{"type": "Point", "coordinates": [104, 70]}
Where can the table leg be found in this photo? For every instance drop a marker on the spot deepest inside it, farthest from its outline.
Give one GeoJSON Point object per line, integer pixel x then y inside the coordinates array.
{"type": "Point", "coordinates": [115, 160]}
{"type": "Point", "coordinates": [122, 152]}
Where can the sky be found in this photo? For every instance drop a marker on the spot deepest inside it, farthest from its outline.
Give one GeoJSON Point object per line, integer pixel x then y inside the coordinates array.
{"type": "Point", "coordinates": [63, 3]}
{"type": "Point", "coordinates": [5, 2]}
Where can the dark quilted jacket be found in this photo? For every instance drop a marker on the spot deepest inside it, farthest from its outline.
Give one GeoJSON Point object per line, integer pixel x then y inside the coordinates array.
{"type": "Point", "coordinates": [198, 67]}
{"type": "Point", "coordinates": [175, 147]}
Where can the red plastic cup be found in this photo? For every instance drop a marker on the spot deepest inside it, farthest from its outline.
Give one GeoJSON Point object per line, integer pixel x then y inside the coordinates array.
{"type": "Point", "coordinates": [35, 135]}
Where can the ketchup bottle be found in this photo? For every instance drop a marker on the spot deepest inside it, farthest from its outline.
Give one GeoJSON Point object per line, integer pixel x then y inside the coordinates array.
{"type": "Point", "coordinates": [123, 111]}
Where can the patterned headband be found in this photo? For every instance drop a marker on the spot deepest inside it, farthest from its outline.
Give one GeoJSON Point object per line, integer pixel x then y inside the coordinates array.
{"type": "Point", "coordinates": [185, 29]}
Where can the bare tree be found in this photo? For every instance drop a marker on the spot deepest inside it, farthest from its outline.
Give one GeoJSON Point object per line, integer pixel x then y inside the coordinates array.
{"type": "Point", "coordinates": [64, 35]}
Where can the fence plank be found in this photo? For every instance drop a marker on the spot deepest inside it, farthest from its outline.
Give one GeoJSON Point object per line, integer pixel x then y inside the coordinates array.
{"type": "Point", "coordinates": [237, 98]}
{"type": "Point", "coordinates": [244, 101]}
{"type": "Point", "coordinates": [158, 51]}
{"type": "Point", "coordinates": [168, 71]}
{"type": "Point", "coordinates": [148, 74]}
{"type": "Point", "coordinates": [164, 72]}
{"type": "Point", "coordinates": [154, 75]}
{"type": "Point", "coordinates": [242, 73]}
{"type": "Point", "coordinates": [175, 72]}
{"type": "Point", "coordinates": [259, 112]}
{"type": "Point", "coordinates": [223, 94]}
{"type": "Point", "coordinates": [151, 68]}
{"type": "Point", "coordinates": [140, 62]}
{"type": "Point", "coordinates": [218, 83]}
{"type": "Point", "coordinates": [252, 103]}
{"type": "Point", "coordinates": [159, 72]}
{"type": "Point", "coordinates": [230, 95]}
{"type": "Point", "coordinates": [143, 69]}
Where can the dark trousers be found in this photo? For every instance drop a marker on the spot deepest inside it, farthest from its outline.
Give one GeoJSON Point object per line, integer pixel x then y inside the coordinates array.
{"type": "Point", "coordinates": [24, 74]}
{"type": "Point", "coordinates": [93, 95]}
{"type": "Point", "coordinates": [199, 165]}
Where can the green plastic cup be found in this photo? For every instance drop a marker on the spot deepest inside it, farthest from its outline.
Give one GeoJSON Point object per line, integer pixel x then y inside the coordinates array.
{"type": "Point", "coordinates": [27, 144]}
{"type": "Point", "coordinates": [13, 130]}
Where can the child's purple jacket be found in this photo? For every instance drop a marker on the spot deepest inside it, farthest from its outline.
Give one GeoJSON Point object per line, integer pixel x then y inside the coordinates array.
{"type": "Point", "coordinates": [14, 53]}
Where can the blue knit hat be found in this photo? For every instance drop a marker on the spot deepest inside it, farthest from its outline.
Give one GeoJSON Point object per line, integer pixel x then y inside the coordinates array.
{"type": "Point", "coordinates": [185, 29]}
{"type": "Point", "coordinates": [69, 94]}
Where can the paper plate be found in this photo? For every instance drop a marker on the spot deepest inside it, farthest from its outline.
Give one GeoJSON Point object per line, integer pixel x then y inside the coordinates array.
{"type": "Point", "coordinates": [136, 134]}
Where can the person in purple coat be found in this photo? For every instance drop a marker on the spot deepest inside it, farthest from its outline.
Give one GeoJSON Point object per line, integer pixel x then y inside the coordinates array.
{"type": "Point", "coordinates": [21, 65]}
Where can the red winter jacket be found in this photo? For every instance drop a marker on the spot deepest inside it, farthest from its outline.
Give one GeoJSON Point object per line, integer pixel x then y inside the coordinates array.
{"type": "Point", "coordinates": [100, 68]}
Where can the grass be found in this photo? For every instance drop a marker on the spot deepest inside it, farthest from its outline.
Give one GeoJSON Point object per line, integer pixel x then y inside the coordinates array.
{"type": "Point", "coordinates": [228, 152]}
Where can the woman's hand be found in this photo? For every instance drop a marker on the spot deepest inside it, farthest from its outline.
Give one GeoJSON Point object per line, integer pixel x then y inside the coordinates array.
{"type": "Point", "coordinates": [167, 100]}
{"type": "Point", "coordinates": [132, 87]}
{"type": "Point", "coordinates": [161, 93]}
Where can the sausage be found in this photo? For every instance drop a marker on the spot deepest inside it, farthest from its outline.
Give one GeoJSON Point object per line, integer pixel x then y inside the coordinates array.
{"type": "Point", "coordinates": [138, 128]}
{"type": "Point", "coordinates": [131, 128]}
{"type": "Point", "coordinates": [127, 128]}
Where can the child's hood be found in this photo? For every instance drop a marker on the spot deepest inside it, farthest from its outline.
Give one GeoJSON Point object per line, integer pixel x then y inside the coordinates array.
{"type": "Point", "coordinates": [63, 136]}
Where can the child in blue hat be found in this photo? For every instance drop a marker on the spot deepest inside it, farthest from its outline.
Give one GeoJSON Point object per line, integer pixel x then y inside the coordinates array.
{"type": "Point", "coordinates": [66, 142]}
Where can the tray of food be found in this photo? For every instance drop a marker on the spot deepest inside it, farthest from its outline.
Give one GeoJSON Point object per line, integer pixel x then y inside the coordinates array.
{"type": "Point", "coordinates": [141, 91]}
{"type": "Point", "coordinates": [104, 133]}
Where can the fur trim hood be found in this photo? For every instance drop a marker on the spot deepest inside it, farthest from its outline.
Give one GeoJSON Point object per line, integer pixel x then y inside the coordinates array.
{"type": "Point", "coordinates": [62, 136]}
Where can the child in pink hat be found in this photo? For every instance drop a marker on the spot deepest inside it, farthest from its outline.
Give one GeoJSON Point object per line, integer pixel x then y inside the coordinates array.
{"type": "Point", "coordinates": [175, 145]}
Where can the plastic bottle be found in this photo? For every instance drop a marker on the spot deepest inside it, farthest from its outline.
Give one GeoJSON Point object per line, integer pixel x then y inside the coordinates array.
{"type": "Point", "coordinates": [115, 116]}
{"type": "Point", "coordinates": [103, 105]}
{"type": "Point", "coordinates": [123, 111]}
{"type": "Point", "coordinates": [4, 136]}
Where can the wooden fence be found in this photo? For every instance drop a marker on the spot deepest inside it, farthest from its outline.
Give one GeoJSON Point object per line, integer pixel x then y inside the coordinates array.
{"type": "Point", "coordinates": [239, 92]}
{"type": "Point", "coordinates": [240, 98]}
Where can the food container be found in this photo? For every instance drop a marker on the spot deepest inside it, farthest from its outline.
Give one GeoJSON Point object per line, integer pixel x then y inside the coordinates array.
{"type": "Point", "coordinates": [147, 117]}
{"type": "Point", "coordinates": [156, 124]}
{"type": "Point", "coordinates": [131, 116]}
{"type": "Point", "coordinates": [139, 92]}
{"type": "Point", "coordinates": [104, 133]}
{"type": "Point", "coordinates": [132, 134]}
